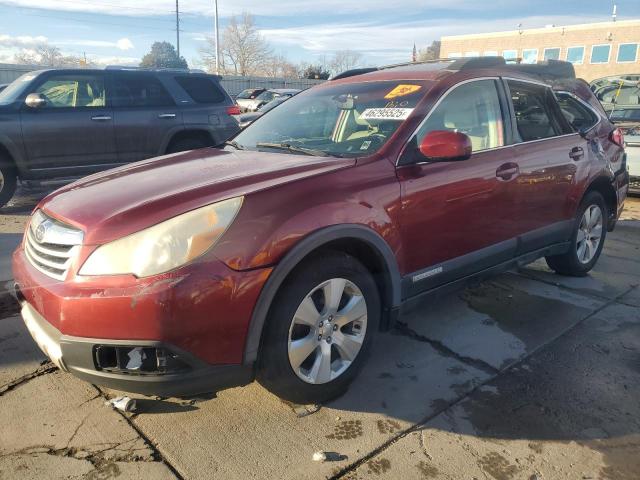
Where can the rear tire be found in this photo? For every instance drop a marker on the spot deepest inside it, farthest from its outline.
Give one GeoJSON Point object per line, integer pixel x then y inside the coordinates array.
{"type": "Point", "coordinates": [587, 241]}
{"type": "Point", "coordinates": [185, 144]}
{"type": "Point", "coordinates": [311, 355]}
{"type": "Point", "coordinates": [8, 181]}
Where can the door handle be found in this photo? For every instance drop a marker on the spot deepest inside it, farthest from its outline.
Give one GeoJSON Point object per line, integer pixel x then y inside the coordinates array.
{"type": "Point", "coordinates": [167, 115]}
{"type": "Point", "coordinates": [101, 118]}
{"type": "Point", "coordinates": [508, 171]}
{"type": "Point", "coordinates": [576, 153]}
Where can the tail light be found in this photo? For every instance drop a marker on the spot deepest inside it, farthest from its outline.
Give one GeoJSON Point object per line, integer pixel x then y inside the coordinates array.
{"type": "Point", "coordinates": [234, 110]}
{"type": "Point", "coordinates": [617, 137]}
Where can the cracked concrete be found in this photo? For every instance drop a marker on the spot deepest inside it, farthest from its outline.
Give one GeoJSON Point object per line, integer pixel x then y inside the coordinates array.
{"type": "Point", "coordinates": [527, 374]}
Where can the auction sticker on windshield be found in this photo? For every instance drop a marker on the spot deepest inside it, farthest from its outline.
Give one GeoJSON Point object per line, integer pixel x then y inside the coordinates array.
{"type": "Point", "coordinates": [386, 114]}
{"type": "Point", "coordinates": [402, 90]}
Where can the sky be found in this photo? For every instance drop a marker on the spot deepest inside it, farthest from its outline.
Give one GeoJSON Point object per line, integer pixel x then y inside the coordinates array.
{"type": "Point", "coordinates": [383, 31]}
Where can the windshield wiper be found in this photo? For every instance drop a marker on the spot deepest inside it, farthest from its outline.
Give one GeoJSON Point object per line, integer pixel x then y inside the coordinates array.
{"type": "Point", "coordinates": [234, 144]}
{"type": "Point", "coordinates": [293, 148]}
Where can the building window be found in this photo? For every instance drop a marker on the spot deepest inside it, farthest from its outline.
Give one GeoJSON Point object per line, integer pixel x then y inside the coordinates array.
{"type": "Point", "coordinates": [627, 52]}
{"type": "Point", "coordinates": [575, 55]}
{"type": "Point", "coordinates": [552, 53]}
{"type": "Point", "coordinates": [491, 53]}
{"type": "Point", "coordinates": [600, 53]}
{"type": "Point", "coordinates": [530, 55]}
{"type": "Point", "coordinates": [454, 55]}
{"type": "Point", "coordinates": [511, 56]}
{"type": "Point", "coordinates": [471, 54]}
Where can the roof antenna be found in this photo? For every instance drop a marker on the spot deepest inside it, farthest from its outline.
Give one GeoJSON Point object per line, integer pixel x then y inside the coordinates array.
{"type": "Point", "coordinates": [614, 15]}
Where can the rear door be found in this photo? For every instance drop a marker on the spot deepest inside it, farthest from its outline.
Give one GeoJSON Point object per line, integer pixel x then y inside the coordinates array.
{"type": "Point", "coordinates": [75, 126]}
{"type": "Point", "coordinates": [144, 114]}
{"type": "Point", "coordinates": [550, 155]}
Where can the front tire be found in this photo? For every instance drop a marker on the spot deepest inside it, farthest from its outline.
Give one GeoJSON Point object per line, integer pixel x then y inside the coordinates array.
{"type": "Point", "coordinates": [319, 329]}
{"type": "Point", "coordinates": [587, 241]}
{"type": "Point", "coordinates": [8, 181]}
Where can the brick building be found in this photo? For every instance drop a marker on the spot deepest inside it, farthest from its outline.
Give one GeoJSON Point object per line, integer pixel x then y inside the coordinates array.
{"type": "Point", "coordinates": [596, 49]}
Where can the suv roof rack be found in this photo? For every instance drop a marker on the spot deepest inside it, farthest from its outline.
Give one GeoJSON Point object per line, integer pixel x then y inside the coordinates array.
{"type": "Point", "coordinates": [549, 69]}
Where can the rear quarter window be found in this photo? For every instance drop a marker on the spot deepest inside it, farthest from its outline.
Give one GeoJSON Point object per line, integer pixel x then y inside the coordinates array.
{"type": "Point", "coordinates": [201, 89]}
{"type": "Point", "coordinates": [577, 114]}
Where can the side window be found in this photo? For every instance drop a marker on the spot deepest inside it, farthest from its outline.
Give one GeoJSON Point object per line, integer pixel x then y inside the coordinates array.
{"type": "Point", "coordinates": [577, 114]}
{"type": "Point", "coordinates": [201, 89]}
{"type": "Point", "coordinates": [135, 90]}
{"type": "Point", "coordinates": [472, 108]}
{"type": "Point", "coordinates": [534, 111]}
{"type": "Point", "coordinates": [73, 91]}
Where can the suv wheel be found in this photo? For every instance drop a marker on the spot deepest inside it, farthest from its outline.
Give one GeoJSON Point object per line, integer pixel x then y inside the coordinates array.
{"type": "Point", "coordinates": [319, 329]}
{"type": "Point", "coordinates": [8, 180]}
{"type": "Point", "coordinates": [590, 231]}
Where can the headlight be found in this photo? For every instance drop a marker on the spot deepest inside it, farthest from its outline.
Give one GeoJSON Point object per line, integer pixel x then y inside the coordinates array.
{"type": "Point", "coordinates": [164, 246]}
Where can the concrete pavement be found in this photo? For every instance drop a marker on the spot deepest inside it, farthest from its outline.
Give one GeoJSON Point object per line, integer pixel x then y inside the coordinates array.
{"type": "Point", "coordinates": [528, 375]}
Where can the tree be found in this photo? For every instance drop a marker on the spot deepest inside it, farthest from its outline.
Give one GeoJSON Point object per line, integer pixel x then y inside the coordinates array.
{"type": "Point", "coordinates": [243, 50]}
{"type": "Point", "coordinates": [316, 72]}
{"type": "Point", "coordinates": [279, 66]}
{"type": "Point", "coordinates": [163, 55]}
{"type": "Point", "coordinates": [49, 56]}
{"type": "Point", "coordinates": [345, 60]}
{"type": "Point", "coordinates": [432, 52]}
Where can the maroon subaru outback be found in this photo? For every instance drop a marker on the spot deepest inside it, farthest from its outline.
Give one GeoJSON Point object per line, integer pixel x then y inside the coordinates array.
{"type": "Point", "coordinates": [279, 255]}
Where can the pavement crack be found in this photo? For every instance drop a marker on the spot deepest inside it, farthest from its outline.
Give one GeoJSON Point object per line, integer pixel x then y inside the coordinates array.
{"type": "Point", "coordinates": [418, 427]}
{"type": "Point", "coordinates": [404, 330]}
{"type": "Point", "coordinates": [44, 369]}
{"type": "Point", "coordinates": [156, 454]}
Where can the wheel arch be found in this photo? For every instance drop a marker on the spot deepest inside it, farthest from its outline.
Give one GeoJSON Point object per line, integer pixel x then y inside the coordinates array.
{"type": "Point", "coordinates": [359, 241]}
{"type": "Point", "coordinates": [603, 186]}
{"type": "Point", "coordinates": [183, 134]}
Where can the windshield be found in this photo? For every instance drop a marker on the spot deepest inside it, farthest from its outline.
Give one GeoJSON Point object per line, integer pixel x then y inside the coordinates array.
{"type": "Point", "coordinates": [618, 91]}
{"type": "Point", "coordinates": [266, 96]}
{"type": "Point", "coordinates": [13, 91]}
{"type": "Point", "coordinates": [354, 119]}
{"type": "Point", "coordinates": [272, 104]}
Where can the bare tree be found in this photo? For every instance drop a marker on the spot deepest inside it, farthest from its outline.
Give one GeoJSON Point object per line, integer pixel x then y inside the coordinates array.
{"type": "Point", "coordinates": [432, 52]}
{"type": "Point", "coordinates": [279, 66]}
{"type": "Point", "coordinates": [43, 54]}
{"type": "Point", "coordinates": [345, 60]}
{"type": "Point", "coordinates": [243, 50]}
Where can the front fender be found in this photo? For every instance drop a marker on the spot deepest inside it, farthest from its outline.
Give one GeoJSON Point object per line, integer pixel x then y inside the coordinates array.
{"type": "Point", "coordinates": [302, 250]}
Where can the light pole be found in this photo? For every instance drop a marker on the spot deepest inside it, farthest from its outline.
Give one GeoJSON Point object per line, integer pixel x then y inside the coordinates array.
{"type": "Point", "coordinates": [177, 29]}
{"type": "Point", "coordinates": [217, 34]}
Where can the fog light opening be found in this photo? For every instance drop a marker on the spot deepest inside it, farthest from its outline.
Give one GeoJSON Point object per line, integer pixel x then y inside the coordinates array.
{"type": "Point", "coordinates": [137, 360]}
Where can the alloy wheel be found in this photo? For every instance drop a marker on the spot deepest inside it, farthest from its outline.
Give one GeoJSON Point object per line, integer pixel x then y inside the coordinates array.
{"type": "Point", "coordinates": [589, 234]}
{"type": "Point", "coordinates": [327, 331]}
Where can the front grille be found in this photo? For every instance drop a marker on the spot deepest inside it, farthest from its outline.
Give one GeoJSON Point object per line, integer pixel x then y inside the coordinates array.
{"type": "Point", "coordinates": [51, 246]}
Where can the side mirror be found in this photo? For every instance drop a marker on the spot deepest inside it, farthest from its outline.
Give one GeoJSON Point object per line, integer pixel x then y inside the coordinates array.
{"type": "Point", "coordinates": [35, 100]}
{"type": "Point", "coordinates": [445, 146]}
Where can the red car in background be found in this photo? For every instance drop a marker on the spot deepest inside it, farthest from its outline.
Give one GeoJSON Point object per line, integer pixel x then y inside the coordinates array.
{"type": "Point", "coordinates": [279, 255]}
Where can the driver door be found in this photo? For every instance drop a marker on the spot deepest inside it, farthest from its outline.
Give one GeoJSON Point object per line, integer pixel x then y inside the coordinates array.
{"type": "Point", "coordinates": [75, 126]}
{"type": "Point", "coordinates": [457, 217]}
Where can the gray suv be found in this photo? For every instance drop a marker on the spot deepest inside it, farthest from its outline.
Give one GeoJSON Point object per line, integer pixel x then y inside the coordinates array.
{"type": "Point", "coordinates": [69, 123]}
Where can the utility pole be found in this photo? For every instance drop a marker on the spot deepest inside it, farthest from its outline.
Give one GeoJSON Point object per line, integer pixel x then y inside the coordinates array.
{"type": "Point", "coordinates": [217, 34]}
{"type": "Point", "coordinates": [177, 29]}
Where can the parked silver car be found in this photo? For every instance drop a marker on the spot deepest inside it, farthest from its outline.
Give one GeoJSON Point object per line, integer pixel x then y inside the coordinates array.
{"type": "Point", "coordinates": [251, 105]}
{"type": "Point", "coordinates": [620, 96]}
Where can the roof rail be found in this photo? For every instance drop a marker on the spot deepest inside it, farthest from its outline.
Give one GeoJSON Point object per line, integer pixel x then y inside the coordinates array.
{"type": "Point", "coordinates": [549, 69]}
{"type": "Point", "coordinates": [476, 62]}
{"type": "Point", "coordinates": [353, 72]}
{"type": "Point", "coordinates": [152, 69]}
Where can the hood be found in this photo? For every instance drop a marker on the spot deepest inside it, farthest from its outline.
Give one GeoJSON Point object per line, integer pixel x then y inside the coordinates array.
{"type": "Point", "coordinates": [115, 203]}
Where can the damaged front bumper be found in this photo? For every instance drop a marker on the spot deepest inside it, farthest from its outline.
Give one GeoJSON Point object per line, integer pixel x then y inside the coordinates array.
{"type": "Point", "coordinates": [182, 376]}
